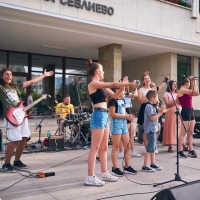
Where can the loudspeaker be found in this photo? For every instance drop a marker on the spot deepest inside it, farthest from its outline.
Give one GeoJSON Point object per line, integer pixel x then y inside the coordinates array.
{"type": "Point", "coordinates": [56, 142]}
{"type": "Point", "coordinates": [188, 191]}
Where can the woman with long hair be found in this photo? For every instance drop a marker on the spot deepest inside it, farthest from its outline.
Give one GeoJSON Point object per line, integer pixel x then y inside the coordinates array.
{"type": "Point", "coordinates": [169, 131]}
{"type": "Point", "coordinates": [98, 90]}
{"type": "Point", "coordinates": [187, 113]}
{"type": "Point", "coordinates": [17, 135]}
{"type": "Point", "coordinates": [143, 100]}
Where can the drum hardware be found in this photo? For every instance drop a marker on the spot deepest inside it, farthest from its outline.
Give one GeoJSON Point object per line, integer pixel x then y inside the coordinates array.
{"type": "Point", "coordinates": [78, 124]}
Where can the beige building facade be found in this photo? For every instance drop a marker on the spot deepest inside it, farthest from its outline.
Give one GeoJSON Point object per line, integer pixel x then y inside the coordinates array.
{"type": "Point", "coordinates": [128, 37]}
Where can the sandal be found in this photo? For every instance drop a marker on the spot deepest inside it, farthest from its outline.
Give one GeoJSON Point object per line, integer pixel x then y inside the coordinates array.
{"type": "Point", "coordinates": [185, 148]}
{"type": "Point", "coordinates": [170, 150]}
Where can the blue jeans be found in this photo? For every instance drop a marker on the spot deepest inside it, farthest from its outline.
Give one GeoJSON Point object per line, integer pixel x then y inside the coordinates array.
{"type": "Point", "coordinates": [151, 142]}
{"type": "Point", "coordinates": [99, 120]}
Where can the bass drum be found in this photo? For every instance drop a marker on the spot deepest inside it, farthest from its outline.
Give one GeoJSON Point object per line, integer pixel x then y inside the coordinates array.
{"type": "Point", "coordinates": [85, 130]}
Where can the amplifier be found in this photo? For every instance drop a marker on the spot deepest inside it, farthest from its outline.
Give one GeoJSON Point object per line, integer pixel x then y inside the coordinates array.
{"type": "Point", "coordinates": [56, 142]}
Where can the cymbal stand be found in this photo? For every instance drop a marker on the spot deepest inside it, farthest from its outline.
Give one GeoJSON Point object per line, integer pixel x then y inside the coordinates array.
{"type": "Point", "coordinates": [80, 110]}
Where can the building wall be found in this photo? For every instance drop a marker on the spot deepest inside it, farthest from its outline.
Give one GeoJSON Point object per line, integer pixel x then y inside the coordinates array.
{"type": "Point", "coordinates": [159, 66]}
{"type": "Point", "coordinates": [148, 16]}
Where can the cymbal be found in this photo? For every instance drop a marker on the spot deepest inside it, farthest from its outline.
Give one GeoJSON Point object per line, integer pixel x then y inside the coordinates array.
{"type": "Point", "coordinates": [79, 107]}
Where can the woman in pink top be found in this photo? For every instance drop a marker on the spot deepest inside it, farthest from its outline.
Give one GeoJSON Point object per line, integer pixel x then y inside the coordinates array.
{"type": "Point", "coordinates": [185, 99]}
{"type": "Point", "coordinates": [169, 131]}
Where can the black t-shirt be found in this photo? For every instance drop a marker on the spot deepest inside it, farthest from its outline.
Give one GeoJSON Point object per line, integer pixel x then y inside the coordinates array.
{"type": "Point", "coordinates": [113, 102]}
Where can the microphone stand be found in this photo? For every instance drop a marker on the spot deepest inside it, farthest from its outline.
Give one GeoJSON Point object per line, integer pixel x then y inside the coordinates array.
{"type": "Point", "coordinates": [40, 127]}
{"type": "Point", "coordinates": [177, 176]}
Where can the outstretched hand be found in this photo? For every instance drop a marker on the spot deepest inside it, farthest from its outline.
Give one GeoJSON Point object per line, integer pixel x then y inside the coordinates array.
{"type": "Point", "coordinates": [135, 84]}
{"type": "Point", "coordinates": [50, 73]}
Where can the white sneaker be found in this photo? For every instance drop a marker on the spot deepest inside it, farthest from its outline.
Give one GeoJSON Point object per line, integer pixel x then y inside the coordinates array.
{"type": "Point", "coordinates": [108, 177]}
{"type": "Point", "coordinates": [94, 181]}
{"type": "Point", "coordinates": [134, 153]}
{"type": "Point", "coordinates": [156, 151]}
{"type": "Point", "coordinates": [120, 155]}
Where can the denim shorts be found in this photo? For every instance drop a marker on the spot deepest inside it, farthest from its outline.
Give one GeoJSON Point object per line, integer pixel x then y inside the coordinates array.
{"type": "Point", "coordinates": [151, 142]}
{"type": "Point", "coordinates": [118, 126]}
{"type": "Point", "coordinates": [99, 120]}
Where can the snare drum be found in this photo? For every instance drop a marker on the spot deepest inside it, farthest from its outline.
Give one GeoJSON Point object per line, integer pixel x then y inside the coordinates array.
{"type": "Point", "coordinates": [71, 118]}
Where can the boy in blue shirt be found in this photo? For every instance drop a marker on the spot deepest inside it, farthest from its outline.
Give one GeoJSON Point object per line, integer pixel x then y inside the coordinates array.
{"type": "Point", "coordinates": [150, 128]}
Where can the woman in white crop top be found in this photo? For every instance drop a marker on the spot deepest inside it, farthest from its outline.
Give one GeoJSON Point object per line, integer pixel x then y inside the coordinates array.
{"type": "Point", "coordinates": [143, 100]}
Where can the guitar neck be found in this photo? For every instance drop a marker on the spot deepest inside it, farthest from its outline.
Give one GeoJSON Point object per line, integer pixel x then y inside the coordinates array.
{"type": "Point", "coordinates": [32, 104]}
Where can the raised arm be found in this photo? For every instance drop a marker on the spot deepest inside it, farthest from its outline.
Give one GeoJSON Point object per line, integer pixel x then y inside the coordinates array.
{"type": "Point", "coordinates": [37, 79]}
{"type": "Point", "coordinates": [194, 86]}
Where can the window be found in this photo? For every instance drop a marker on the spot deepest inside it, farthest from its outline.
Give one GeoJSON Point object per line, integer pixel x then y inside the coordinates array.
{"type": "Point", "coordinates": [184, 67]}
{"type": "Point", "coordinates": [3, 59]}
{"type": "Point", "coordinates": [76, 81]}
{"type": "Point", "coordinates": [18, 62]}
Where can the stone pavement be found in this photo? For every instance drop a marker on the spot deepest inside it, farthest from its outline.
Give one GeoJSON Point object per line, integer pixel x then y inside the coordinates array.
{"type": "Point", "coordinates": [70, 167]}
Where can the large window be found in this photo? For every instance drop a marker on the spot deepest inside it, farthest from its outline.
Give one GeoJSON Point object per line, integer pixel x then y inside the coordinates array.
{"type": "Point", "coordinates": [18, 62]}
{"type": "Point", "coordinates": [184, 67]}
{"type": "Point", "coordinates": [76, 80]}
{"type": "Point", "coordinates": [3, 59]}
{"type": "Point", "coordinates": [70, 76]}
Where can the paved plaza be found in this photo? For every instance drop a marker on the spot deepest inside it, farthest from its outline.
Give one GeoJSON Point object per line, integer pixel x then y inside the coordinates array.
{"type": "Point", "coordinates": [70, 167]}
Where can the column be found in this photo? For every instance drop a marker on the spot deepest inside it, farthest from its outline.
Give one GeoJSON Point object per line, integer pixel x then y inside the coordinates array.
{"type": "Point", "coordinates": [110, 57]}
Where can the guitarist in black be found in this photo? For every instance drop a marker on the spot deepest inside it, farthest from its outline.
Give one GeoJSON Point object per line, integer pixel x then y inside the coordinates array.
{"type": "Point", "coordinates": [17, 135]}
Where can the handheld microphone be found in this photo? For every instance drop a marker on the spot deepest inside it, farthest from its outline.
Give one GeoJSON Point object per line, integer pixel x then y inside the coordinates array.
{"type": "Point", "coordinates": [166, 79]}
{"type": "Point", "coordinates": [195, 77]}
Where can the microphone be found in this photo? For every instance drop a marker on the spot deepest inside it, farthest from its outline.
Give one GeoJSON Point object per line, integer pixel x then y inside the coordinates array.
{"type": "Point", "coordinates": [195, 77]}
{"type": "Point", "coordinates": [166, 79]}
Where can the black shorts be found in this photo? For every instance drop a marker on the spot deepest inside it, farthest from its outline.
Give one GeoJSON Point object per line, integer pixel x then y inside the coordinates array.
{"type": "Point", "coordinates": [128, 110]}
{"type": "Point", "coordinates": [187, 114]}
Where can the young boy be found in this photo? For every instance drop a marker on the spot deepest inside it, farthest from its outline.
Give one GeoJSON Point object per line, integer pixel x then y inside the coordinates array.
{"type": "Point", "coordinates": [150, 128]}
{"type": "Point", "coordinates": [120, 132]}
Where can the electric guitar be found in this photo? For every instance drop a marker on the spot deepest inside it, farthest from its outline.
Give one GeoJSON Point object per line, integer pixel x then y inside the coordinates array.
{"type": "Point", "coordinates": [16, 115]}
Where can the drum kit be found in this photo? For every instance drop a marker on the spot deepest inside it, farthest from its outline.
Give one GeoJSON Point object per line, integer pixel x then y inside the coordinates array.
{"type": "Point", "coordinates": [76, 128]}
